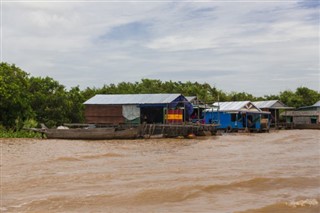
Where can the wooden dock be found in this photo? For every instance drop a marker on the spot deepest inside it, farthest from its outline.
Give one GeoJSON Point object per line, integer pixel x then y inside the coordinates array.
{"type": "Point", "coordinates": [176, 130]}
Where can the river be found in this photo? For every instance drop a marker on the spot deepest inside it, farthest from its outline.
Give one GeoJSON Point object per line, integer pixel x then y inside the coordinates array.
{"type": "Point", "coordinates": [238, 172]}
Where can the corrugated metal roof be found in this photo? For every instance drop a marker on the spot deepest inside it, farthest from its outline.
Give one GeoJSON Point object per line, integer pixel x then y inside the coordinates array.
{"type": "Point", "coordinates": [190, 98]}
{"type": "Point", "coordinates": [265, 104]}
{"type": "Point", "coordinates": [272, 104]}
{"type": "Point", "coordinates": [133, 99]}
{"type": "Point", "coordinates": [236, 106]}
{"type": "Point", "coordinates": [316, 104]}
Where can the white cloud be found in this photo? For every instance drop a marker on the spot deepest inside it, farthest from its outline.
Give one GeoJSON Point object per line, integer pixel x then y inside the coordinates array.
{"type": "Point", "coordinates": [232, 45]}
{"type": "Point", "coordinates": [180, 43]}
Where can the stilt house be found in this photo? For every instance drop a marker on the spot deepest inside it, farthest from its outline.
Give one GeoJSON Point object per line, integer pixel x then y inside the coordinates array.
{"type": "Point", "coordinates": [307, 117]}
{"type": "Point", "coordinates": [237, 115]}
{"type": "Point", "coordinates": [137, 108]}
{"type": "Point", "coordinates": [275, 107]}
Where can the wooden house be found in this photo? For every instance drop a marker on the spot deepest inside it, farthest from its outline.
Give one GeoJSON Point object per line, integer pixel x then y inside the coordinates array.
{"type": "Point", "coordinates": [275, 107]}
{"type": "Point", "coordinates": [237, 115]}
{"type": "Point", "coordinates": [137, 108]}
{"type": "Point", "coordinates": [307, 117]}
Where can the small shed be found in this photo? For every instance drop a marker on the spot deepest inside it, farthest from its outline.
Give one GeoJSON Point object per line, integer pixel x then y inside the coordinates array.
{"type": "Point", "coordinates": [198, 107]}
{"type": "Point", "coordinates": [307, 117]}
{"type": "Point", "coordinates": [237, 115]}
{"type": "Point", "coordinates": [275, 107]}
{"type": "Point", "coordinates": [137, 108]}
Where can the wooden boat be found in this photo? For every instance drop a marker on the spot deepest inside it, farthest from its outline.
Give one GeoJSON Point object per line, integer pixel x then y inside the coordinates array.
{"type": "Point", "coordinates": [89, 133]}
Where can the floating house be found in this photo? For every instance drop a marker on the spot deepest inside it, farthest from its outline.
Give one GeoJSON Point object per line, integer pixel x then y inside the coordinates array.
{"type": "Point", "coordinates": [237, 115]}
{"type": "Point", "coordinates": [137, 109]}
{"type": "Point", "coordinates": [307, 117]}
{"type": "Point", "coordinates": [275, 107]}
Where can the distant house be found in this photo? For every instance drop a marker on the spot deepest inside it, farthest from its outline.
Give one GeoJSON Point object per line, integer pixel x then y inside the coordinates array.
{"type": "Point", "coordinates": [137, 108]}
{"type": "Point", "coordinates": [304, 117]}
{"type": "Point", "coordinates": [275, 107]}
{"type": "Point", "coordinates": [237, 115]}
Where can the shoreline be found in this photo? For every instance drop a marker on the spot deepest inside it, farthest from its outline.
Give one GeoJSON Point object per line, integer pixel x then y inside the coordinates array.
{"type": "Point", "coordinates": [221, 134]}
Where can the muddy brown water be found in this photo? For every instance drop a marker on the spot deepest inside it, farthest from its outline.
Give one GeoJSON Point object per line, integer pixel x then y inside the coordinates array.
{"type": "Point", "coordinates": [268, 172]}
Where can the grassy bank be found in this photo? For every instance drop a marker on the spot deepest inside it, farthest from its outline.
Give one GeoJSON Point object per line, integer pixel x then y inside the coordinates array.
{"type": "Point", "coordinates": [19, 134]}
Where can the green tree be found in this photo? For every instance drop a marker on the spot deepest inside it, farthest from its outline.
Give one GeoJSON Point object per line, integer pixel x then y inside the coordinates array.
{"type": "Point", "coordinates": [75, 107]}
{"type": "Point", "coordinates": [240, 96]}
{"type": "Point", "coordinates": [14, 98]}
{"type": "Point", "coordinates": [303, 96]}
{"type": "Point", "coordinates": [90, 92]}
{"type": "Point", "coordinates": [269, 97]}
{"type": "Point", "coordinates": [149, 86]}
{"type": "Point", "coordinates": [308, 96]}
{"type": "Point", "coordinates": [49, 101]}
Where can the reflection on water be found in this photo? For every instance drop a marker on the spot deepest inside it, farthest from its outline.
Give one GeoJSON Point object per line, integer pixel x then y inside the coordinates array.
{"type": "Point", "coordinates": [271, 172]}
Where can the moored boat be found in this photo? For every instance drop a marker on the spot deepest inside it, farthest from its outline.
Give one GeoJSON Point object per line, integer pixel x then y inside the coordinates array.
{"type": "Point", "coordinates": [89, 133]}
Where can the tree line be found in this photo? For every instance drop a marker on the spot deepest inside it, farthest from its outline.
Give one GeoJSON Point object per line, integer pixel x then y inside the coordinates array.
{"type": "Point", "coordinates": [26, 100]}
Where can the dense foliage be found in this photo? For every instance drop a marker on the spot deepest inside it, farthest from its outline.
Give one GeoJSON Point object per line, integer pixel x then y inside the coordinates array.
{"type": "Point", "coordinates": [27, 101]}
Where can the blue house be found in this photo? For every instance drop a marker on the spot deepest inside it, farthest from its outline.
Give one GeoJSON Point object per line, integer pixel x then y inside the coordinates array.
{"type": "Point", "coordinates": [237, 115]}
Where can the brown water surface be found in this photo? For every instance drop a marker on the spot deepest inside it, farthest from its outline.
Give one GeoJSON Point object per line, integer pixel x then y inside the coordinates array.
{"type": "Point", "coordinates": [268, 172]}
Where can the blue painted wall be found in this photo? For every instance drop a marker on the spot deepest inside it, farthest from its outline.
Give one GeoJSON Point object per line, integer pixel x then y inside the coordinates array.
{"type": "Point", "coordinates": [233, 120]}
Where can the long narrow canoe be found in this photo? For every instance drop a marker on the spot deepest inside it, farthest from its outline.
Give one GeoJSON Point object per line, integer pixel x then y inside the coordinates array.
{"type": "Point", "coordinates": [90, 133]}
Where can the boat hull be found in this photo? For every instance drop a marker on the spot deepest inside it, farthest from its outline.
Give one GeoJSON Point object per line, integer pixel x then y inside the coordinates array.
{"type": "Point", "coordinates": [92, 134]}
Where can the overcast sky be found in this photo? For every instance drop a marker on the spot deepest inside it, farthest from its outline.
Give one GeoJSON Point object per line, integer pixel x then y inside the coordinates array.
{"type": "Point", "coordinates": [258, 47]}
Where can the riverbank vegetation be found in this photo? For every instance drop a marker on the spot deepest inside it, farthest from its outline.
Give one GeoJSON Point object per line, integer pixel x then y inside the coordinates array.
{"type": "Point", "coordinates": [26, 101]}
{"type": "Point", "coordinates": [9, 133]}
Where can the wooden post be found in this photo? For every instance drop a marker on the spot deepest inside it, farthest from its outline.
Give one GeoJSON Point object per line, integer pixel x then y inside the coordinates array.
{"type": "Point", "coordinates": [198, 118]}
{"type": "Point", "coordinates": [275, 119]}
{"type": "Point", "coordinates": [166, 114]}
{"type": "Point", "coordinates": [184, 112]}
{"type": "Point", "coordinates": [246, 120]}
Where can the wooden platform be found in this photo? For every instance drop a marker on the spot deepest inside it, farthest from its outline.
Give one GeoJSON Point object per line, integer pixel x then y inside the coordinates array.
{"type": "Point", "coordinates": [175, 130]}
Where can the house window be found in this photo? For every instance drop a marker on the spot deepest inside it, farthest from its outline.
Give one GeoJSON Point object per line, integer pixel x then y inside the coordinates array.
{"type": "Point", "coordinates": [313, 120]}
{"type": "Point", "coordinates": [233, 117]}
